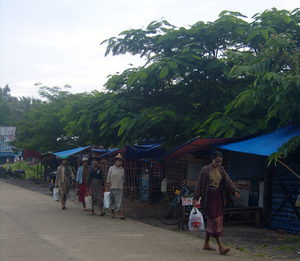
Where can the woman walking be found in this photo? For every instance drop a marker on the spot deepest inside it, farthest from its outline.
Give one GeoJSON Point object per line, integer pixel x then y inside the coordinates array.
{"type": "Point", "coordinates": [212, 186]}
{"type": "Point", "coordinates": [95, 179]}
{"type": "Point", "coordinates": [64, 173]}
{"type": "Point", "coordinates": [81, 180]}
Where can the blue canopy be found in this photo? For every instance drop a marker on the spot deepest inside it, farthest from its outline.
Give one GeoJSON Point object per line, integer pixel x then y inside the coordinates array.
{"type": "Point", "coordinates": [263, 145]}
{"type": "Point", "coordinates": [104, 150]}
{"type": "Point", "coordinates": [144, 151]}
{"type": "Point", "coordinates": [70, 152]}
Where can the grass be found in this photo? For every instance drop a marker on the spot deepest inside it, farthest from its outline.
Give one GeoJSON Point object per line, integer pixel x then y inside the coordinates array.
{"type": "Point", "coordinates": [260, 254]}
{"type": "Point", "coordinates": [242, 249]}
{"type": "Point", "coordinates": [286, 248]}
{"type": "Point", "coordinates": [289, 239]}
{"type": "Point", "coordinates": [29, 170]}
{"type": "Point", "coordinates": [228, 245]}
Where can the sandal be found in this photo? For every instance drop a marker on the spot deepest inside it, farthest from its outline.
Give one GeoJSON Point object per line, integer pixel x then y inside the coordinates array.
{"type": "Point", "coordinates": [209, 248]}
{"type": "Point", "coordinates": [63, 208]}
{"type": "Point", "coordinates": [225, 251]}
{"type": "Point", "coordinates": [102, 214]}
{"type": "Point", "coordinates": [122, 218]}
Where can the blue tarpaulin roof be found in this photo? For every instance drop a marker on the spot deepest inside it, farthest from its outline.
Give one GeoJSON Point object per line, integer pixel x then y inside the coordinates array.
{"type": "Point", "coordinates": [104, 150]}
{"type": "Point", "coordinates": [263, 145]}
{"type": "Point", "coordinates": [70, 152]}
{"type": "Point", "coordinates": [8, 154]}
{"type": "Point", "coordinates": [144, 151]}
{"type": "Point", "coordinates": [108, 152]}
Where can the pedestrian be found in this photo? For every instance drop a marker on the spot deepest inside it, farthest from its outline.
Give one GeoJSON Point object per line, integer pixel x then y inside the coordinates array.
{"type": "Point", "coordinates": [95, 179]}
{"type": "Point", "coordinates": [64, 173]}
{"type": "Point", "coordinates": [212, 186]}
{"type": "Point", "coordinates": [115, 184]}
{"type": "Point", "coordinates": [81, 180]}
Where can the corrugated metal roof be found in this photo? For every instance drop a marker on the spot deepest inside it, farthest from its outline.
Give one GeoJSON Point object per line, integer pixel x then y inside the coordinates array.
{"type": "Point", "coordinates": [9, 131]}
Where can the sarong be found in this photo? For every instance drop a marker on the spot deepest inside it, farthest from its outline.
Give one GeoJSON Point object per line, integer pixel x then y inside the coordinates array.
{"type": "Point", "coordinates": [64, 191]}
{"type": "Point", "coordinates": [96, 192]}
{"type": "Point", "coordinates": [82, 192]}
{"type": "Point", "coordinates": [214, 213]}
{"type": "Point", "coordinates": [116, 199]}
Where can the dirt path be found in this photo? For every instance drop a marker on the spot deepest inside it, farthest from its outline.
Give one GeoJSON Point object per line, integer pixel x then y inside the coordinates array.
{"type": "Point", "coordinates": [245, 237]}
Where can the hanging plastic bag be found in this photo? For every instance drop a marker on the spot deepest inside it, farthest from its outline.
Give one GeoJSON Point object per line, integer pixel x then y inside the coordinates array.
{"type": "Point", "coordinates": [164, 186]}
{"type": "Point", "coordinates": [297, 204]}
{"type": "Point", "coordinates": [56, 194]}
{"type": "Point", "coordinates": [106, 200]}
{"type": "Point", "coordinates": [88, 202]}
{"type": "Point", "coordinates": [196, 221]}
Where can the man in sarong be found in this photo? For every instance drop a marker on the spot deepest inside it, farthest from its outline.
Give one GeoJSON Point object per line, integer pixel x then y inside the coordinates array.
{"type": "Point", "coordinates": [63, 176]}
{"type": "Point", "coordinates": [212, 186]}
{"type": "Point", "coordinates": [115, 184]}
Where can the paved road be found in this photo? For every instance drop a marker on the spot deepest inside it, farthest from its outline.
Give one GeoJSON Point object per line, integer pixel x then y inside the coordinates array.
{"type": "Point", "coordinates": [33, 227]}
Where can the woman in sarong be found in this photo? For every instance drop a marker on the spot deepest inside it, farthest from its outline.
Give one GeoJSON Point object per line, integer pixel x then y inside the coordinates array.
{"type": "Point", "coordinates": [95, 178]}
{"type": "Point", "coordinates": [212, 186]}
{"type": "Point", "coordinates": [81, 179]}
{"type": "Point", "coordinates": [63, 176]}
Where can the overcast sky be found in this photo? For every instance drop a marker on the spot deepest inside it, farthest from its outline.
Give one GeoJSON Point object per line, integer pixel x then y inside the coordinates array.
{"type": "Point", "coordinates": [57, 42]}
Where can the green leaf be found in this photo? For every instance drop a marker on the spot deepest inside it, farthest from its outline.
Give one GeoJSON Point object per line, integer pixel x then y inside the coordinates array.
{"type": "Point", "coordinates": [164, 71]}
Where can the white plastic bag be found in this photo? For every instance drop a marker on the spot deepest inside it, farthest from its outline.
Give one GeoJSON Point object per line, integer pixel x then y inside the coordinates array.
{"type": "Point", "coordinates": [164, 186]}
{"type": "Point", "coordinates": [88, 202]}
{"type": "Point", "coordinates": [106, 200]}
{"type": "Point", "coordinates": [56, 194]}
{"type": "Point", "coordinates": [196, 221]}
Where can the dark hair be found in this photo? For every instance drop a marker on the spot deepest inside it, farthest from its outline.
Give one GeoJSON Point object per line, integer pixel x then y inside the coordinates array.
{"type": "Point", "coordinates": [216, 154]}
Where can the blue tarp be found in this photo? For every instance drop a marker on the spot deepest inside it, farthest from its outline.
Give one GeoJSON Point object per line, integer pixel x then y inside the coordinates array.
{"type": "Point", "coordinates": [144, 151]}
{"type": "Point", "coordinates": [8, 154]}
{"type": "Point", "coordinates": [263, 145]}
{"type": "Point", "coordinates": [70, 152]}
{"type": "Point", "coordinates": [109, 152]}
{"type": "Point", "coordinates": [104, 150]}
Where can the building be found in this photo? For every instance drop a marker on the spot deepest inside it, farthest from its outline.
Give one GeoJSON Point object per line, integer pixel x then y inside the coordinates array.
{"type": "Point", "coordinates": [7, 134]}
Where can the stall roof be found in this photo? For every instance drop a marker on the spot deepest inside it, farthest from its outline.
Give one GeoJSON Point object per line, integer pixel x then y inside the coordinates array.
{"type": "Point", "coordinates": [144, 151]}
{"type": "Point", "coordinates": [113, 151]}
{"type": "Point", "coordinates": [70, 152]}
{"type": "Point", "coordinates": [193, 146]}
{"type": "Point", "coordinates": [104, 150]}
{"type": "Point", "coordinates": [31, 154]}
{"type": "Point", "coordinates": [264, 145]}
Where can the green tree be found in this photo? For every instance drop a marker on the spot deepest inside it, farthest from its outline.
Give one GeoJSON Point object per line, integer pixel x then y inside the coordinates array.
{"type": "Point", "coordinates": [271, 99]}
{"type": "Point", "coordinates": [5, 106]}
{"type": "Point", "coordinates": [185, 78]}
{"type": "Point", "coordinates": [41, 128]}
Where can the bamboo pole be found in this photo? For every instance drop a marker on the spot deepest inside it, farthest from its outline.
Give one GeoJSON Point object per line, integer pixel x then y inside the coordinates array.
{"type": "Point", "coordinates": [289, 169]}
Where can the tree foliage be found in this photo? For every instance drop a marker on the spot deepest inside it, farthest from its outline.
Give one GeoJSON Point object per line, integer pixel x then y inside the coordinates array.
{"type": "Point", "coordinates": [42, 128]}
{"type": "Point", "coordinates": [223, 78]}
{"type": "Point", "coordinates": [271, 99]}
{"type": "Point", "coordinates": [13, 108]}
